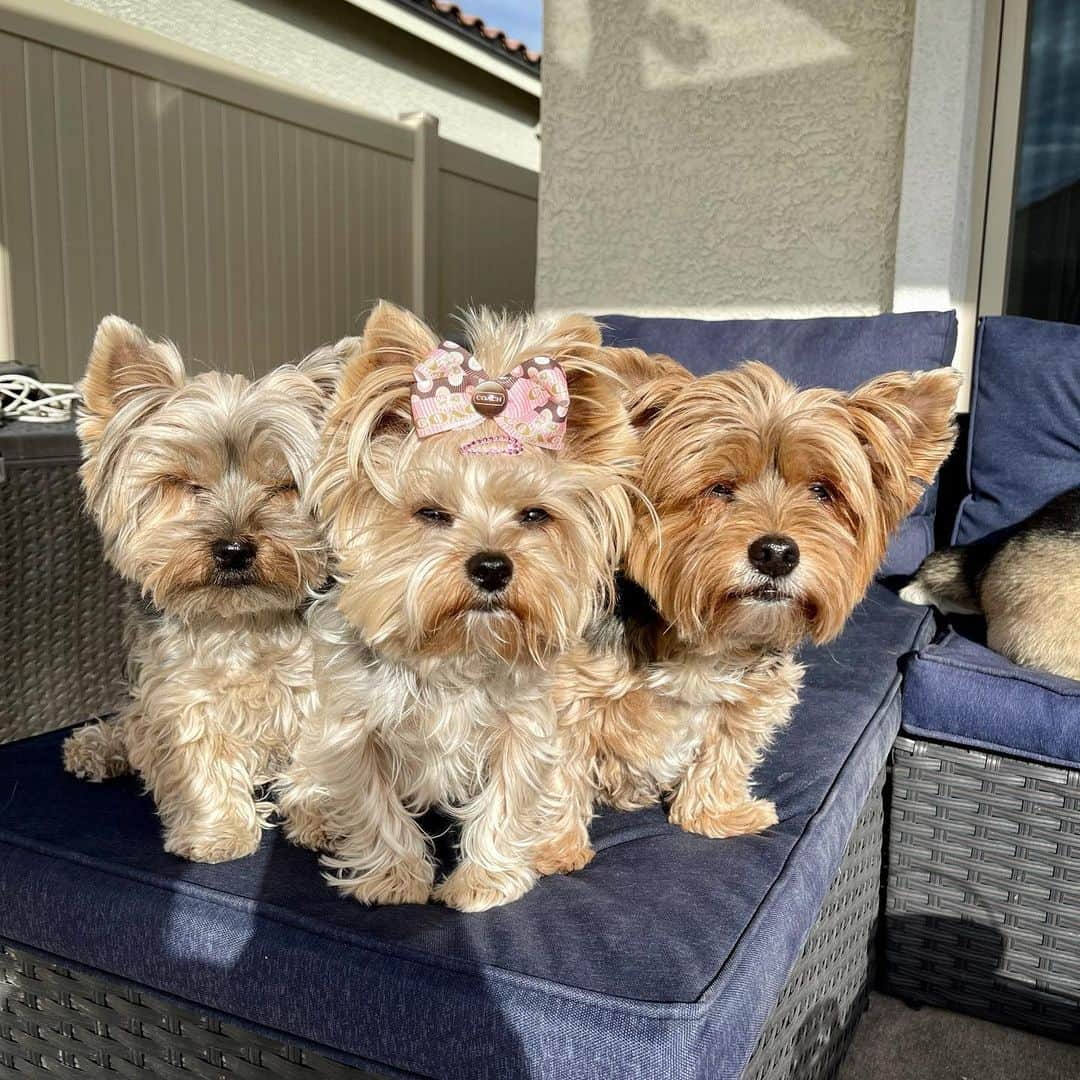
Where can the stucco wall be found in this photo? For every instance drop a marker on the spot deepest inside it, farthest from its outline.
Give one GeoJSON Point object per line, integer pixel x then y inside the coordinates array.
{"type": "Point", "coordinates": [722, 157]}
{"type": "Point", "coordinates": [333, 48]}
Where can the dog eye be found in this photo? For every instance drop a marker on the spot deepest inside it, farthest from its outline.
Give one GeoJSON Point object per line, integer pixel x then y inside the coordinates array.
{"type": "Point", "coordinates": [723, 490]}
{"type": "Point", "coordinates": [822, 492]}
{"type": "Point", "coordinates": [286, 487]}
{"type": "Point", "coordinates": [183, 483]}
{"type": "Point", "coordinates": [534, 515]}
{"type": "Point", "coordinates": [434, 515]}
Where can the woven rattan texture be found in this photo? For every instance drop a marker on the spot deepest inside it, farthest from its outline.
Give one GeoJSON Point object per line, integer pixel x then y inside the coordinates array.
{"type": "Point", "coordinates": [53, 1020]}
{"type": "Point", "coordinates": [56, 1020]}
{"type": "Point", "coordinates": [983, 894]}
{"type": "Point", "coordinates": [61, 620]}
{"type": "Point", "coordinates": [808, 1032]}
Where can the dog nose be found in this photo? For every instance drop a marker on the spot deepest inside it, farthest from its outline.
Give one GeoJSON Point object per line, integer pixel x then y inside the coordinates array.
{"type": "Point", "coordinates": [491, 570]}
{"type": "Point", "coordinates": [233, 554]}
{"type": "Point", "coordinates": [774, 556]}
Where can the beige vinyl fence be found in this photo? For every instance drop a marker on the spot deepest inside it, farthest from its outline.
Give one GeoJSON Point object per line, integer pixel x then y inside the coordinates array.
{"type": "Point", "coordinates": [246, 221]}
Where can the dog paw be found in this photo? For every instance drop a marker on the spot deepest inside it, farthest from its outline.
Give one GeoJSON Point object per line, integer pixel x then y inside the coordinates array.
{"type": "Point", "coordinates": [742, 819]}
{"type": "Point", "coordinates": [91, 753]}
{"type": "Point", "coordinates": [562, 856]}
{"type": "Point", "coordinates": [473, 888]}
{"type": "Point", "coordinates": [403, 883]}
{"type": "Point", "coordinates": [308, 831]}
{"type": "Point", "coordinates": [218, 847]}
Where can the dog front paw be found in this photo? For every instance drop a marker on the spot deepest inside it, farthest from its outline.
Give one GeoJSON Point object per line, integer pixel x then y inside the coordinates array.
{"type": "Point", "coordinates": [471, 887]}
{"type": "Point", "coordinates": [95, 753]}
{"type": "Point", "coordinates": [405, 882]}
{"type": "Point", "coordinates": [308, 830]}
{"type": "Point", "coordinates": [562, 856]}
{"type": "Point", "coordinates": [740, 819]}
{"type": "Point", "coordinates": [219, 846]}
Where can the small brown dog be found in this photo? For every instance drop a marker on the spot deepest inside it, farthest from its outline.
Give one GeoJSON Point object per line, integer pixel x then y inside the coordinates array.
{"type": "Point", "coordinates": [475, 503]}
{"type": "Point", "coordinates": [193, 481]}
{"type": "Point", "coordinates": [772, 511]}
{"type": "Point", "coordinates": [1026, 585]}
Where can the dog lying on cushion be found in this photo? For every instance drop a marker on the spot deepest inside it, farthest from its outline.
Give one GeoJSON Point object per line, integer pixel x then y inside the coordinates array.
{"type": "Point", "coordinates": [1027, 585]}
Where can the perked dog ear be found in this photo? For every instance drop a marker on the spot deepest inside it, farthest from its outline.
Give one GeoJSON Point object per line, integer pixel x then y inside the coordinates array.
{"type": "Point", "coordinates": [906, 421]}
{"type": "Point", "coordinates": [651, 382]}
{"type": "Point", "coordinates": [125, 366]}
{"type": "Point", "coordinates": [597, 431]}
{"type": "Point", "coordinates": [376, 382]}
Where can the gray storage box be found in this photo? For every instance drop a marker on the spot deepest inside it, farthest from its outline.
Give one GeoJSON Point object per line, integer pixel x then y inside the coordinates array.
{"type": "Point", "coordinates": [61, 616]}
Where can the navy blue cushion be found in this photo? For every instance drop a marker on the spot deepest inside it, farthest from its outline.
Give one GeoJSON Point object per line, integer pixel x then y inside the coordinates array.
{"type": "Point", "coordinates": [1024, 446]}
{"type": "Point", "coordinates": [662, 958]}
{"type": "Point", "coordinates": [959, 691]}
{"type": "Point", "coordinates": [836, 352]}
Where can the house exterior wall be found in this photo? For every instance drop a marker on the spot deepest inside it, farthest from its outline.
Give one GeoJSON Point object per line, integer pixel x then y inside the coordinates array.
{"type": "Point", "coordinates": [335, 49]}
{"type": "Point", "coordinates": [946, 154]}
{"type": "Point", "coordinates": [722, 157]}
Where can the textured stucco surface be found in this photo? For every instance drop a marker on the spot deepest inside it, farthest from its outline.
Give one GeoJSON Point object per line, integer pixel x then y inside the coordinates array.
{"type": "Point", "coordinates": [333, 48]}
{"type": "Point", "coordinates": [722, 157]}
{"type": "Point", "coordinates": [937, 224]}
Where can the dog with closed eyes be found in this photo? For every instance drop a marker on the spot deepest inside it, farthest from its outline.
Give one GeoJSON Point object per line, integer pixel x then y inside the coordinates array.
{"type": "Point", "coordinates": [194, 482]}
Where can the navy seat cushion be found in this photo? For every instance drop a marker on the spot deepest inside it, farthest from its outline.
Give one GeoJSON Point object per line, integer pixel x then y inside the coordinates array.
{"type": "Point", "coordinates": [835, 352]}
{"type": "Point", "coordinates": [662, 958]}
{"type": "Point", "coordinates": [959, 691]}
{"type": "Point", "coordinates": [1024, 445]}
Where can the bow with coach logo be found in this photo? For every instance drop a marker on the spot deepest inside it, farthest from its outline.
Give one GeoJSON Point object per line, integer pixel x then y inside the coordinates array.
{"type": "Point", "coordinates": [452, 392]}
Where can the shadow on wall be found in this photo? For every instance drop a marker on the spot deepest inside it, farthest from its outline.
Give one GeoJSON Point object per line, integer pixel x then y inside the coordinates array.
{"type": "Point", "coordinates": [723, 155]}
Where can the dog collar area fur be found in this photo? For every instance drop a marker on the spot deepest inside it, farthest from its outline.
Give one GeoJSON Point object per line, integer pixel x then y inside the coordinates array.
{"type": "Point", "coordinates": [452, 392]}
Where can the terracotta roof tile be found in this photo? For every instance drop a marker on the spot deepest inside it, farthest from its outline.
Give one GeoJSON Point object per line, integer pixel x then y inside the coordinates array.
{"type": "Point", "coordinates": [472, 26]}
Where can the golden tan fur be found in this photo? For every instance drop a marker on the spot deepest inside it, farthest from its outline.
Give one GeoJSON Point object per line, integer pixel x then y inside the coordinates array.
{"type": "Point", "coordinates": [220, 665]}
{"type": "Point", "coordinates": [1026, 583]}
{"type": "Point", "coordinates": [685, 701]}
{"type": "Point", "coordinates": [433, 694]}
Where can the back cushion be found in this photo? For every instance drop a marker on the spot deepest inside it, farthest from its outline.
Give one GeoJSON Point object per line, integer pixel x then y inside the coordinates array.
{"type": "Point", "coordinates": [835, 352]}
{"type": "Point", "coordinates": [1024, 446]}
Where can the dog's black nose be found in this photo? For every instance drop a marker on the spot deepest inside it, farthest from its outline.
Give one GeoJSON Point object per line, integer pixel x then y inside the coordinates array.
{"type": "Point", "coordinates": [774, 556]}
{"type": "Point", "coordinates": [491, 570]}
{"type": "Point", "coordinates": [233, 554]}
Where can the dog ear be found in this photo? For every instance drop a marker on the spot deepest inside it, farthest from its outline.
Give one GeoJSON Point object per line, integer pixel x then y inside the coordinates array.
{"type": "Point", "coordinates": [314, 381]}
{"type": "Point", "coordinates": [906, 422]}
{"type": "Point", "coordinates": [598, 431]}
{"type": "Point", "coordinates": [125, 366]}
{"type": "Point", "coordinates": [651, 381]}
{"type": "Point", "coordinates": [377, 379]}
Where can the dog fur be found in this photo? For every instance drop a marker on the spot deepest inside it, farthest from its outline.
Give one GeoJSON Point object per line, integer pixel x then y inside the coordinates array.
{"type": "Point", "coordinates": [220, 659]}
{"type": "Point", "coordinates": [681, 694]}
{"type": "Point", "coordinates": [432, 694]}
{"type": "Point", "coordinates": [1026, 584]}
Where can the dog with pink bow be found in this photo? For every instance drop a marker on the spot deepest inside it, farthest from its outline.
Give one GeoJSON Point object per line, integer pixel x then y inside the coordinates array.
{"type": "Point", "coordinates": [475, 503]}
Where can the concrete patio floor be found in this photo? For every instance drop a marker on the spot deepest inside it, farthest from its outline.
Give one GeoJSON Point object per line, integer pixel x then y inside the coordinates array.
{"type": "Point", "coordinates": [896, 1042]}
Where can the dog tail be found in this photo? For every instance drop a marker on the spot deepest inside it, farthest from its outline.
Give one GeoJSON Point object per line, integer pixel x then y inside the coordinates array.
{"type": "Point", "coordinates": [947, 579]}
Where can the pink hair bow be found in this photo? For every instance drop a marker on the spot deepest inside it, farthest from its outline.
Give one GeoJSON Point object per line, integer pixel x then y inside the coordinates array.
{"type": "Point", "coordinates": [453, 392]}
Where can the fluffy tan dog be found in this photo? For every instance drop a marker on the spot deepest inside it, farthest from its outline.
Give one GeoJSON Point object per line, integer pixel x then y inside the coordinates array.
{"type": "Point", "coordinates": [194, 482]}
{"type": "Point", "coordinates": [462, 576]}
{"type": "Point", "coordinates": [773, 509]}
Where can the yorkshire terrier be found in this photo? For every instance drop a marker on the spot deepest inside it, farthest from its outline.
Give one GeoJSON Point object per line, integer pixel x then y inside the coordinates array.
{"type": "Point", "coordinates": [475, 502]}
{"type": "Point", "coordinates": [771, 510]}
{"type": "Point", "coordinates": [194, 482]}
{"type": "Point", "coordinates": [1024, 582]}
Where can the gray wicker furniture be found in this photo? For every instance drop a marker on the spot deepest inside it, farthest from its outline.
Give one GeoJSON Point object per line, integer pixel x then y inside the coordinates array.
{"type": "Point", "coordinates": [61, 625]}
{"type": "Point", "coordinates": [983, 896]}
{"type": "Point", "coordinates": [58, 1019]}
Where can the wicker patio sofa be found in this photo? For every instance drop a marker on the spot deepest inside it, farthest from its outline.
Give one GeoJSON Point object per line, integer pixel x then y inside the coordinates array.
{"type": "Point", "coordinates": [983, 903]}
{"type": "Point", "coordinates": [669, 956]}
